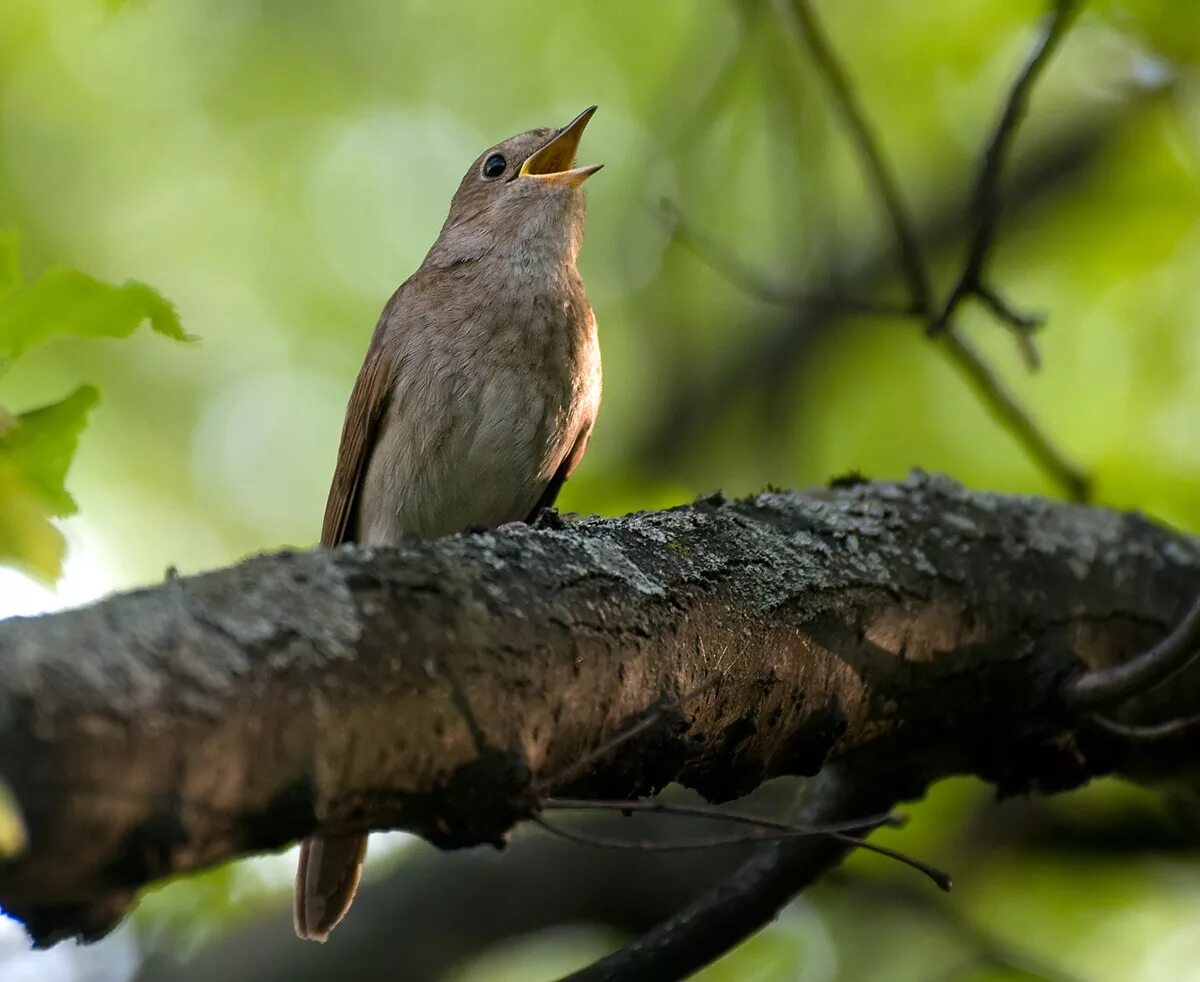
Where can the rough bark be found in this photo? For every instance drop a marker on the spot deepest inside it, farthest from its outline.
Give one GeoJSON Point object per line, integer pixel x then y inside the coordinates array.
{"type": "Point", "coordinates": [910, 630]}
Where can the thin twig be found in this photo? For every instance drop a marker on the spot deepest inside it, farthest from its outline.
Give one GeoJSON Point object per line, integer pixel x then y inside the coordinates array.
{"type": "Point", "coordinates": [1104, 687]}
{"type": "Point", "coordinates": [1035, 180]}
{"type": "Point", "coordinates": [747, 898]}
{"type": "Point", "coordinates": [912, 260]}
{"type": "Point", "coordinates": [726, 264]}
{"type": "Point", "coordinates": [1150, 733]}
{"type": "Point", "coordinates": [652, 718]}
{"type": "Point", "coordinates": [1000, 400]}
{"type": "Point", "coordinates": [652, 845]}
{"type": "Point", "coordinates": [977, 371]}
{"type": "Point", "coordinates": [655, 807]}
{"type": "Point", "coordinates": [985, 201]}
{"type": "Point", "coordinates": [835, 831]}
{"type": "Point", "coordinates": [1023, 324]}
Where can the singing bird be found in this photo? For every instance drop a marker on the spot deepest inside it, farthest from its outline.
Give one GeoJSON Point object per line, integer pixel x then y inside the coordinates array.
{"type": "Point", "coordinates": [476, 398]}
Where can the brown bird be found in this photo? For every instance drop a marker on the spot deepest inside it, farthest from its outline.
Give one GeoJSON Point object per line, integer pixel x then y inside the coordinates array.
{"type": "Point", "coordinates": [476, 398]}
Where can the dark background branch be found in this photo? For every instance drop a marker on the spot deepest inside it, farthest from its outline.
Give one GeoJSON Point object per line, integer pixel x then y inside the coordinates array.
{"type": "Point", "coordinates": [775, 356]}
{"type": "Point", "coordinates": [842, 284]}
{"type": "Point", "coordinates": [749, 897]}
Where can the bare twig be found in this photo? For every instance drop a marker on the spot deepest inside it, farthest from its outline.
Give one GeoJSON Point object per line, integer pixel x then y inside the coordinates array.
{"type": "Point", "coordinates": [724, 262]}
{"type": "Point", "coordinates": [656, 845]}
{"type": "Point", "coordinates": [996, 395]}
{"type": "Point", "coordinates": [1035, 180]}
{"type": "Point", "coordinates": [748, 898]}
{"type": "Point", "coordinates": [843, 831]}
{"type": "Point", "coordinates": [912, 259]}
{"type": "Point", "coordinates": [1104, 687]}
{"type": "Point", "coordinates": [977, 371]}
{"type": "Point", "coordinates": [985, 202]}
{"type": "Point", "coordinates": [1023, 324]}
{"type": "Point", "coordinates": [941, 879]}
{"type": "Point", "coordinates": [1001, 402]}
{"type": "Point", "coordinates": [1172, 729]}
{"type": "Point", "coordinates": [655, 807]}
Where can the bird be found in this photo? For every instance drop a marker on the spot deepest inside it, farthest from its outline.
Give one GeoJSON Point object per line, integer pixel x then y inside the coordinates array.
{"type": "Point", "coordinates": [476, 398]}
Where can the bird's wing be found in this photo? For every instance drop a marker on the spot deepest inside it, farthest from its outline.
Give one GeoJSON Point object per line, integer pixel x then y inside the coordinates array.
{"type": "Point", "coordinates": [569, 462]}
{"type": "Point", "coordinates": [329, 868]}
{"type": "Point", "coordinates": [367, 403]}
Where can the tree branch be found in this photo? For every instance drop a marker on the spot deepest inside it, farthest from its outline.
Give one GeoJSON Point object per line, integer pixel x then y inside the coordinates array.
{"type": "Point", "coordinates": [985, 201]}
{"type": "Point", "coordinates": [747, 899]}
{"type": "Point", "coordinates": [986, 382]}
{"type": "Point", "coordinates": [1105, 687]}
{"type": "Point", "coordinates": [726, 263]}
{"type": "Point", "coordinates": [851, 833]}
{"type": "Point", "coordinates": [891, 629]}
{"type": "Point", "coordinates": [1004, 406]}
{"type": "Point", "coordinates": [884, 182]}
{"type": "Point", "coordinates": [777, 352]}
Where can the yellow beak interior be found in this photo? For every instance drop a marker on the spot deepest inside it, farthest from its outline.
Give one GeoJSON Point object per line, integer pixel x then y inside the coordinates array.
{"type": "Point", "coordinates": [554, 163]}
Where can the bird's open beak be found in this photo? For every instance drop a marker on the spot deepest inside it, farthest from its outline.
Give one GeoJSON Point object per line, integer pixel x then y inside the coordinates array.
{"type": "Point", "coordinates": [554, 162]}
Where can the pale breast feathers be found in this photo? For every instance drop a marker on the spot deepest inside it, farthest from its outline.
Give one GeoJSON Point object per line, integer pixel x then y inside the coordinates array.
{"type": "Point", "coordinates": [473, 423]}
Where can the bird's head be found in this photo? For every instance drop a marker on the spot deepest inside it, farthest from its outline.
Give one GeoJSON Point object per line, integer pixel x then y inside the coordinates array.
{"type": "Point", "coordinates": [525, 193]}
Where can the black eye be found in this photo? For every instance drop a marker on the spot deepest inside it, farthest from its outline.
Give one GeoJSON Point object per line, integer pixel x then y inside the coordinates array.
{"type": "Point", "coordinates": [494, 166]}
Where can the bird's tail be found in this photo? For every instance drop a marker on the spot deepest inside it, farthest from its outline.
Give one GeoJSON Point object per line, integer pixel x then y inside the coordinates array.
{"type": "Point", "coordinates": [325, 883]}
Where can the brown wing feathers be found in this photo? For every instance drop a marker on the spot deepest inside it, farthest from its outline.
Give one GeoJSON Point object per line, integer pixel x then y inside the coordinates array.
{"type": "Point", "coordinates": [574, 455]}
{"type": "Point", "coordinates": [363, 413]}
{"type": "Point", "coordinates": [330, 867]}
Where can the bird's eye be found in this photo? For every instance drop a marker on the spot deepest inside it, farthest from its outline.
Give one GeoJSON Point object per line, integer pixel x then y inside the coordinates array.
{"type": "Point", "coordinates": [494, 166]}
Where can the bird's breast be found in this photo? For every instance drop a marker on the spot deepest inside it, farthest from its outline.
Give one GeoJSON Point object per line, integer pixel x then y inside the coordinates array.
{"type": "Point", "coordinates": [480, 419]}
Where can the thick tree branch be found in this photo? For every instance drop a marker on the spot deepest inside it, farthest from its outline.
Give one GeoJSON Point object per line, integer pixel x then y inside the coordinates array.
{"type": "Point", "coordinates": [902, 631]}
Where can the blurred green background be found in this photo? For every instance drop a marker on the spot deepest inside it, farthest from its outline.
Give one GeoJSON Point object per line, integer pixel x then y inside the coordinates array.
{"type": "Point", "coordinates": [275, 168]}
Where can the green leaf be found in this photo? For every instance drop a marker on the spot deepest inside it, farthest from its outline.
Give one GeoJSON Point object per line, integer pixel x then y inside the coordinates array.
{"type": "Point", "coordinates": [36, 448]}
{"type": "Point", "coordinates": [28, 538]}
{"type": "Point", "coordinates": [66, 301]}
{"type": "Point", "coordinates": [35, 452]}
{"type": "Point", "coordinates": [42, 443]}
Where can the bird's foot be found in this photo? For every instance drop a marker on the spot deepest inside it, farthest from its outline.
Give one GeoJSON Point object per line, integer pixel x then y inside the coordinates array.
{"type": "Point", "coordinates": [552, 518]}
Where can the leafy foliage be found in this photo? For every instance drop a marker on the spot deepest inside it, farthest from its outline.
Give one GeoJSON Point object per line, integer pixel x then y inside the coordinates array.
{"type": "Point", "coordinates": [36, 447]}
{"type": "Point", "coordinates": [65, 301]}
